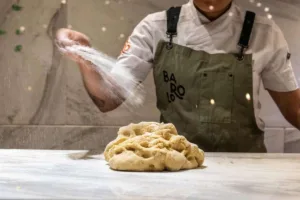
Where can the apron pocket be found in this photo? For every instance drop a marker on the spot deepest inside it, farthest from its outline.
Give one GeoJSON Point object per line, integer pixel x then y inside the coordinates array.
{"type": "Point", "coordinates": [215, 97]}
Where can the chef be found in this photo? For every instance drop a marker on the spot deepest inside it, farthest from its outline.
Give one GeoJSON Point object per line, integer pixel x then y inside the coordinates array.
{"type": "Point", "coordinates": [208, 58]}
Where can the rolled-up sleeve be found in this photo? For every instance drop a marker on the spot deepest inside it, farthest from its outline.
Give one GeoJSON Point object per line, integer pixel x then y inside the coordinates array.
{"type": "Point", "coordinates": [278, 74]}
{"type": "Point", "coordinates": [137, 55]}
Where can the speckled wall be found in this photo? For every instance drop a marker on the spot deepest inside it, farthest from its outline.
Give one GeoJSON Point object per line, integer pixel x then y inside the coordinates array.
{"type": "Point", "coordinates": [43, 102]}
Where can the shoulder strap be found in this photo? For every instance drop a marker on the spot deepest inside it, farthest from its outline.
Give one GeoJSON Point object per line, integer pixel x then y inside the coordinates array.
{"type": "Point", "coordinates": [172, 20]}
{"type": "Point", "coordinates": [246, 32]}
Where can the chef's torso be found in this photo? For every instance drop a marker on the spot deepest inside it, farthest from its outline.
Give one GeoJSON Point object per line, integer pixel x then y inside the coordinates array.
{"type": "Point", "coordinates": [271, 64]}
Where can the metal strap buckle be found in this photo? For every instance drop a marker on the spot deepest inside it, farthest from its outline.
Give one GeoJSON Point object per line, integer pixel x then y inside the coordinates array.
{"type": "Point", "coordinates": [241, 55]}
{"type": "Point", "coordinates": [170, 44]}
{"type": "Point", "coordinates": [169, 34]}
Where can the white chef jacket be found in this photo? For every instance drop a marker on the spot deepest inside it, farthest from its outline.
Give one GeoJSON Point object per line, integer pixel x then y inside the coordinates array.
{"type": "Point", "coordinates": [267, 44]}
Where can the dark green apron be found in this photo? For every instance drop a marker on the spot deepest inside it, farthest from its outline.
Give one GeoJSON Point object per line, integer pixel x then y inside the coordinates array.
{"type": "Point", "coordinates": [208, 97]}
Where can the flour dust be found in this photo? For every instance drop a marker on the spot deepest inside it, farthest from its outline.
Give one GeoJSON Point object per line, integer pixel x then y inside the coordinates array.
{"type": "Point", "coordinates": [112, 75]}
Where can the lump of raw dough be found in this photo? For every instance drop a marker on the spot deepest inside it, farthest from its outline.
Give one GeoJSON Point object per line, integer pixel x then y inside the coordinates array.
{"type": "Point", "coordinates": [151, 146]}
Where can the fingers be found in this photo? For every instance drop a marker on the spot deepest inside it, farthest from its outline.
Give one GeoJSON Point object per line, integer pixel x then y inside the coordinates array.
{"type": "Point", "coordinates": [63, 38]}
{"type": "Point", "coordinates": [79, 37]}
{"type": "Point", "coordinates": [67, 37]}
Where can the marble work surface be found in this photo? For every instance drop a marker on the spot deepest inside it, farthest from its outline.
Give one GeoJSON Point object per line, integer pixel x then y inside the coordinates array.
{"type": "Point", "coordinates": [32, 174]}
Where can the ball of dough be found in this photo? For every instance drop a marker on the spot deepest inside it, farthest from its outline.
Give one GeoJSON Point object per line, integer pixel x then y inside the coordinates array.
{"type": "Point", "coordinates": [151, 146]}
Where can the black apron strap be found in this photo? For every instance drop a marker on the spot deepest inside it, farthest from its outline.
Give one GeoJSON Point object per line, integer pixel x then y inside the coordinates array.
{"type": "Point", "coordinates": [246, 33]}
{"type": "Point", "coordinates": [172, 20]}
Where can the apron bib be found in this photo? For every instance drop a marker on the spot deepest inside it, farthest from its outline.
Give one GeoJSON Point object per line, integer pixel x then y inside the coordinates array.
{"type": "Point", "coordinates": [208, 97]}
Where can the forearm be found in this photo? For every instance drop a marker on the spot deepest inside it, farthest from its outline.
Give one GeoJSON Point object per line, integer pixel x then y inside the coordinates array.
{"type": "Point", "coordinates": [298, 120]}
{"type": "Point", "coordinates": [289, 105]}
{"type": "Point", "coordinates": [293, 117]}
{"type": "Point", "coordinates": [98, 90]}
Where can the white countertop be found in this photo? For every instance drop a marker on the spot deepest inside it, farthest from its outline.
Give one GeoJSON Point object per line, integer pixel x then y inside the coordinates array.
{"type": "Point", "coordinates": [33, 174]}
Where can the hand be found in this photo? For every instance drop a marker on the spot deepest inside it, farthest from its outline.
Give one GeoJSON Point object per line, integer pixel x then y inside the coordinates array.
{"type": "Point", "coordinates": [67, 37]}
